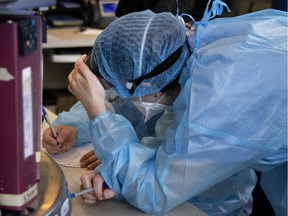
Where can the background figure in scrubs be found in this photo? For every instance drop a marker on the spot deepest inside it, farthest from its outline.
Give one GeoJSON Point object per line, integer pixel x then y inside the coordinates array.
{"type": "Point", "coordinates": [229, 116]}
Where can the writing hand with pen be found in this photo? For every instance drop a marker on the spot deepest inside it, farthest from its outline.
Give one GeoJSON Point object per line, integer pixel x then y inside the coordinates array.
{"type": "Point", "coordinates": [65, 139]}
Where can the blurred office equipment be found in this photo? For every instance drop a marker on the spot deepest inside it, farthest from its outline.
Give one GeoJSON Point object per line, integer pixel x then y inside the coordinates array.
{"type": "Point", "coordinates": [27, 4]}
{"type": "Point", "coordinates": [82, 13]}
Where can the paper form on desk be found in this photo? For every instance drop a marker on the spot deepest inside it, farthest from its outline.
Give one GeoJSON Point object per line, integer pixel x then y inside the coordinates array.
{"type": "Point", "coordinates": [72, 157]}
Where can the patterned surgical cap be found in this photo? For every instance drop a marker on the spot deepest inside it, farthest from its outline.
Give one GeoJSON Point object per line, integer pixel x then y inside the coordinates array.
{"type": "Point", "coordinates": [133, 45]}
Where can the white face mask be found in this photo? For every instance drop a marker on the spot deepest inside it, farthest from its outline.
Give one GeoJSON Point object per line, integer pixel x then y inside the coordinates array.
{"type": "Point", "coordinates": [149, 109]}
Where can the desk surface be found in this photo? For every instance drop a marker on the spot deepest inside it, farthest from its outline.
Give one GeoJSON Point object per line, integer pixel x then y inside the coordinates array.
{"type": "Point", "coordinates": [113, 207]}
{"type": "Point", "coordinates": [68, 38]}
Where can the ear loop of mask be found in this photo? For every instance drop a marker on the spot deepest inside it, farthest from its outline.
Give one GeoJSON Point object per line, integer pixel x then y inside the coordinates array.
{"type": "Point", "coordinates": [183, 14]}
{"type": "Point", "coordinates": [187, 15]}
{"type": "Point", "coordinates": [191, 33]}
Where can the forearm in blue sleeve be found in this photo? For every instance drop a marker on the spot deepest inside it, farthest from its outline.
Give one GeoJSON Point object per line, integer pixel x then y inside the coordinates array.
{"type": "Point", "coordinates": [76, 117]}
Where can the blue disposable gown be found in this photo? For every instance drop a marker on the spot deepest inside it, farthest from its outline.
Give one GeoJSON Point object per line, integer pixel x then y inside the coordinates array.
{"type": "Point", "coordinates": [230, 116]}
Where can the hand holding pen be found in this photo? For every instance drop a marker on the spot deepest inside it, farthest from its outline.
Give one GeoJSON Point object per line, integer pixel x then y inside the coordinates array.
{"type": "Point", "coordinates": [95, 184]}
{"type": "Point", "coordinates": [45, 115]}
{"type": "Point", "coordinates": [82, 192]}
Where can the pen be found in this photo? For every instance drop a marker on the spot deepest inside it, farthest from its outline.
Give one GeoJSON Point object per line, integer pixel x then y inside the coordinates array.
{"type": "Point", "coordinates": [71, 196]}
{"type": "Point", "coordinates": [50, 125]}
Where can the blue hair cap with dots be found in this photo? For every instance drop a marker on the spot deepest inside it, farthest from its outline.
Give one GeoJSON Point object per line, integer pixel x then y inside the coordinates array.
{"type": "Point", "coordinates": [133, 45]}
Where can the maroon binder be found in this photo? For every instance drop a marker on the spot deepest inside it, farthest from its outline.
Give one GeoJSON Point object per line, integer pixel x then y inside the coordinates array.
{"type": "Point", "coordinates": [20, 109]}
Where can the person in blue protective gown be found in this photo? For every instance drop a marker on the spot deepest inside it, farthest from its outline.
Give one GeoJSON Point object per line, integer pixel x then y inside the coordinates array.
{"type": "Point", "coordinates": [229, 117]}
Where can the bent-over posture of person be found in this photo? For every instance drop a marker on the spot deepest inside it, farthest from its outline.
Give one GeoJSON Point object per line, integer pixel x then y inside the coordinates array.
{"type": "Point", "coordinates": [224, 117]}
